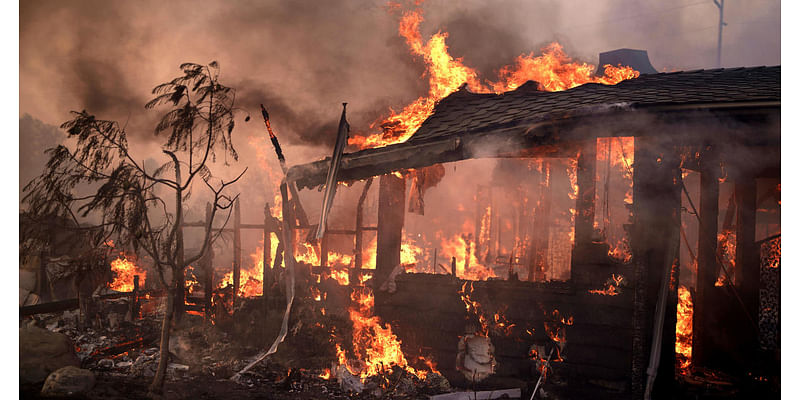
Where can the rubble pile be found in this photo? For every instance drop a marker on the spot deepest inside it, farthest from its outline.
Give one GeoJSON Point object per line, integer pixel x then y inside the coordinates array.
{"type": "Point", "coordinates": [123, 353]}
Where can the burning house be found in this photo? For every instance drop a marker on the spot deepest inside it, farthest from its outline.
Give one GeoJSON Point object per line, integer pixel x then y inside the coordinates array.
{"type": "Point", "coordinates": [565, 231]}
{"type": "Point", "coordinates": [638, 165]}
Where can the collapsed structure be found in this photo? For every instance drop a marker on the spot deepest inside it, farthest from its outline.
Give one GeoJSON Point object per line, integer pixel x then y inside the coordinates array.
{"type": "Point", "coordinates": [609, 312]}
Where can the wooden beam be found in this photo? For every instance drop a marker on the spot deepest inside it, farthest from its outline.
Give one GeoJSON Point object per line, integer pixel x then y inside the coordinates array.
{"type": "Point", "coordinates": [707, 266]}
{"type": "Point", "coordinates": [391, 215]}
{"type": "Point", "coordinates": [51, 307]}
{"type": "Point", "coordinates": [656, 210]}
{"type": "Point", "coordinates": [747, 271]}
{"type": "Point", "coordinates": [538, 267]}
{"type": "Point", "coordinates": [323, 251]}
{"type": "Point", "coordinates": [133, 306]}
{"type": "Point", "coordinates": [359, 231]}
{"type": "Point", "coordinates": [584, 204]}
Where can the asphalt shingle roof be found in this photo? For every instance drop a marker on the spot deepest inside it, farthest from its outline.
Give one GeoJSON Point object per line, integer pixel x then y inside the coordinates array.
{"type": "Point", "coordinates": [464, 112]}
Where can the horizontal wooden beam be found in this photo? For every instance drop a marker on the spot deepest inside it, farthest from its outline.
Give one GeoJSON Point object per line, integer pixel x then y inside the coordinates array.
{"type": "Point", "coordinates": [555, 136]}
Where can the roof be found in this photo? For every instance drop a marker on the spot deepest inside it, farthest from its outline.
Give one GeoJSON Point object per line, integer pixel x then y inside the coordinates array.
{"type": "Point", "coordinates": [469, 112]}
{"type": "Point", "coordinates": [465, 116]}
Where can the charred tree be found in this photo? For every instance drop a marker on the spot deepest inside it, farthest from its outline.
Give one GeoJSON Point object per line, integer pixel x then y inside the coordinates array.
{"type": "Point", "coordinates": [126, 197]}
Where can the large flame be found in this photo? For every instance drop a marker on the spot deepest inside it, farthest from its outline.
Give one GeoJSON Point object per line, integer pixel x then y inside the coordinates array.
{"type": "Point", "coordinates": [467, 265]}
{"type": "Point", "coordinates": [124, 270]}
{"type": "Point", "coordinates": [375, 347]}
{"type": "Point", "coordinates": [554, 71]}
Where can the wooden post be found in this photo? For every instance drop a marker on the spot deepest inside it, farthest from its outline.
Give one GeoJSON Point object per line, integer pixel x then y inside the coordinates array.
{"type": "Point", "coordinates": [542, 221]}
{"type": "Point", "coordinates": [323, 251]}
{"type": "Point", "coordinates": [391, 215]}
{"type": "Point", "coordinates": [707, 267]}
{"type": "Point", "coordinates": [748, 274]}
{"type": "Point", "coordinates": [237, 251]}
{"type": "Point", "coordinates": [453, 267]}
{"type": "Point", "coordinates": [208, 272]}
{"type": "Point", "coordinates": [266, 278]}
{"type": "Point", "coordinates": [584, 204]}
{"type": "Point", "coordinates": [359, 236]}
{"type": "Point", "coordinates": [133, 306]}
{"type": "Point", "coordinates": [656, 207]}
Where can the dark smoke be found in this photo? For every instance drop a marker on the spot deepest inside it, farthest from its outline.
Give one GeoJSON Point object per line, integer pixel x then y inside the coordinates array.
{"type": "Point", "coordinates": [34, 138]}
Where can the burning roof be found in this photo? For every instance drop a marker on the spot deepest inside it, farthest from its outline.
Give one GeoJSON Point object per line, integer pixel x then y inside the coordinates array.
{"type": "Point", "coordinates": [527, 117]}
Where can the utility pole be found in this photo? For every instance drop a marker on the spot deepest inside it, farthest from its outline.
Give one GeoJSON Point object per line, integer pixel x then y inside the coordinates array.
{"type": "Point", "coordinates": [721, 5]}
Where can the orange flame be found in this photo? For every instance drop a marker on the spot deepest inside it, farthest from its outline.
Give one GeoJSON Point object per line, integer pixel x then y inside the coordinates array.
{"type": "Point", "coordinates": [326, 374]}
{"type": "Point", "coordinates": [376, 348]}
{"type": "Point", "coordinates": [190, 281]}
{"type": "Point", "coordinates": [554, 70]}
{"type": "Point", "coordinates": [727, 253]}
{"type": "Point", "coordinates": [683, 330]}
{"type": "Point", "coordinates": [497, 324]}
{"type": "Point", "coordinates": [124, 270]}
{"type": "Point", "coordinates": [467, 264]}
{"type": "Point", "coordinates": [611, 287]}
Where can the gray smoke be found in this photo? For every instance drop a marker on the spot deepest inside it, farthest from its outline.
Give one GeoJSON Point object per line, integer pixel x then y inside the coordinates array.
{"type": "Point", "coordinates": [303, 58]}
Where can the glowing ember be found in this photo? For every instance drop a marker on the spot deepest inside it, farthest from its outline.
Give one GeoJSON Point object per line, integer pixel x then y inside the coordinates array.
{"type": "Point", "coordinates": [497, 324]}
{"type": "Point", "coordinates": [726, 249]}
{"type": "Point", "coordinates": [771, 253]}
{"type": "Point", "coordinates": [124, 271]}
{"type": "Point", "coordinates": [683, 331]}
{"type": "Point", "coordinates": [555, 326]}
{"type": "Point", "coordinates": [554, 70]}
{"type": "Point", "coordinates": [190, 279]}
{"type": "Point", "coordinates": [326, 374]}
{"type": "Point", "coordinates": [611, 286]}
